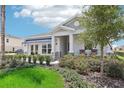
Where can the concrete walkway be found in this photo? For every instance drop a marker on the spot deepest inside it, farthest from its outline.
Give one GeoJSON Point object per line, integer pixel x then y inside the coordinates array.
{"type": "Point", "coordinates": [51, 63]}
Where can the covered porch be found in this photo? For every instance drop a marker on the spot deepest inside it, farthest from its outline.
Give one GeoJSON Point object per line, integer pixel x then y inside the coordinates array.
{"type": "Point", "coordinates": [64, 44]}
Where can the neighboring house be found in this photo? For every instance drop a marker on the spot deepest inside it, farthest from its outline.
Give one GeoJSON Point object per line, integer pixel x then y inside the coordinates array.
{"type": "Point", "coordinates": [12, 43]}
{"type": "Point", "coordinates": [62, 40]}
{"type": "Point", "coordinates": [119, 48]}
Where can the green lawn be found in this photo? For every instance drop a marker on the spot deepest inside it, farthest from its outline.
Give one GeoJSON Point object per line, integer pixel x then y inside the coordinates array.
{"type": "Point", "coordinates": [120, 57]}
{"type": "Point", "coordinates": [37, 77]}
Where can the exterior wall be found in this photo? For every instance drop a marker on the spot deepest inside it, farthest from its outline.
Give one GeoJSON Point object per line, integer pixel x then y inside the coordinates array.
{"type": "Point", "coordinates": [63, 41]}
{"type": "Point", "coordinates": [78, 45]}
{"type": "Point", "coordinates": [62, 36]}
{"type": "Point", "coordinates": [27, 47]}
{"type": "Point", "coordinates": [12, 44]}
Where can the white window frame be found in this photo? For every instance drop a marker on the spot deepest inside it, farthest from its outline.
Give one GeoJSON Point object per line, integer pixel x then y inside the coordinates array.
{"type": "Point", "coordinates": [46, 48]}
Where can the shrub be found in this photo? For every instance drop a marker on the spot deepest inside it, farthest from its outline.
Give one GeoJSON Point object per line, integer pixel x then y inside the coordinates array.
{"type": "Point", "coordinates": [41, 59]}
{"type": "Point", "coordinates": [14, 62]}
{"type": "Point", "coordinates": [73, 79]}
{"type": "Point", "coordinates": [67, 61]}
{"type": "Point", "coordinates": [8, 58]}
{"type": "Point", "coordinates": [47, 59]}
{"type": "Point", "coordinates": [17, 58]}
{"type": "Point", "coordinates": [94, 64]}
{"type": "Point", "coordinates": [34, 59]}
{"type": "Point", "coordinates": [115, 70]}
{"type": "Point", "coordinates": [120, 53]}
{"type": "Point", "coordinates": [29, 58]}
{"type": "Point", "coordinates": [24, 58]}
{"type": "Point", "coordinates": [81, 65]}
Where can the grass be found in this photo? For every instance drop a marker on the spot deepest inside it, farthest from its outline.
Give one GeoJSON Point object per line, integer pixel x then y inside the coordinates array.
{"type": "Point", "coordinates": [37, 77]}
{"type": "Point", "coordinates": [120, 57]}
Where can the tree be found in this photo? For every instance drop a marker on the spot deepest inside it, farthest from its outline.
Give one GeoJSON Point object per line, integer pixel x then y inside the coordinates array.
{"type": "Point", "coordinates": [104, 25]}
{"type": "Point", "coordinates": [2, 32]}
{"type": "Point", "coordinates": [87, 40]}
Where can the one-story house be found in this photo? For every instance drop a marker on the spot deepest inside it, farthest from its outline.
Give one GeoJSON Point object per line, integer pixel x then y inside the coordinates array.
{"type": "Point", "coordinates": [61, 40]}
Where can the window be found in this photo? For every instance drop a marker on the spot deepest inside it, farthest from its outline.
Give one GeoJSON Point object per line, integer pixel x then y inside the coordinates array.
{"type": "Point", "coordinates": [7, 40]}
{"type": "Point", "coordinates": [46, 49]}
{"type": "Point", "coordinates": [32, 48]}
{"type": "Point", "coordinates": [49, 48]}
{"type": "Point", "coordinates": [36, 49]}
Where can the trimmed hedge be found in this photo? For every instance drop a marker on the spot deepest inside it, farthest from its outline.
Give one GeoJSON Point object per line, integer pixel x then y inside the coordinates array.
{"type": "Point", "coordinates": [14, 60]}
{"type": "Point", "coordinates": [120, 53]}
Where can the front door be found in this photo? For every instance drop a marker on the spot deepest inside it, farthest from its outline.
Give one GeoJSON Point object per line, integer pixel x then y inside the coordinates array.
{"type": "Point", "coordinates": [64, 45]}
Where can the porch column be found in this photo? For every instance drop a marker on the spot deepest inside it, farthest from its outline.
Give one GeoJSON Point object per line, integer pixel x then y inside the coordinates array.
{"type": "Point", "coordinates": [71, 43]}
{"type": "Point", "coordinates": [28, 49]}
{"type": "Point", "coordinates": [53, 47]}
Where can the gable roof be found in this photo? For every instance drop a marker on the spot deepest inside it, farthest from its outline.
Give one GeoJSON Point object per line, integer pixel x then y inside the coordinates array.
{"type": "Point", "coordinates": [60, 26]}
{"type": "Point", "coordinates": [63, 26]}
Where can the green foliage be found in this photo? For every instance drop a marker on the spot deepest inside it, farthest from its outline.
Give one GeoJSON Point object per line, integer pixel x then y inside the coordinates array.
{"type": "Point", "coordinates": [120, 57]}
{"type": "Point", "coordinates": [34, 59]}
{"type": "Point", "coordinates": [94, 64]}
{"type": "Point", "coordinates": [17, 59]}
{"type": "Point", "coordinates": [47, 59]}
{"type": "Point", "coordinates": [8, 58]}
{"type": "Point", "coordinates": [67, 61]}
{"type": "Point", "coordinates": [29, 58]}
{"type": "Point", "coordinates": [102, 27]}
{"type": "Point", "coordinates": [80, 63]}
{"type": "Point", "coordinates": [19, 56]}
{"type": "Point", "coordinates": [41, 59]}
{"type": "Point", "coordinates": [24, 58]}
{"type": "Point", "coordinates": [36, 77]}
{"type": "Point", "coordinates": [120, 53]}
{"type": "Point", "coordinates": [86, 40]}
{"type": "Point", "coordinates": [73, 79]}
{"type": "Point", "coordinates": [115, 70]}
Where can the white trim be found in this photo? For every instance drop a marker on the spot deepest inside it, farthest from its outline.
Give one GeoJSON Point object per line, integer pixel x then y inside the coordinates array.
{"type": "Point", "coordinates": [71, 43]}
{"type": "Point", "coordinates": [76, 16]}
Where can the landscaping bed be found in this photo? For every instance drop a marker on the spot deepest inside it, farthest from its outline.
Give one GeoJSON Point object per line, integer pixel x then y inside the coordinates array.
{"type": "Point", "coordinates": [71, 72]}
{"type": "Point", "coordinates": [104, 82]}
{"type": "Point", "coordinates": [73, 79]}
{"type": "Point", "coordinates": [89, 70]}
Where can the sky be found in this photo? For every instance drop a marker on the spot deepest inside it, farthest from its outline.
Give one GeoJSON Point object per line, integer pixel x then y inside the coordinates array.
{"type": "Point", "coordinates": [23, 21]}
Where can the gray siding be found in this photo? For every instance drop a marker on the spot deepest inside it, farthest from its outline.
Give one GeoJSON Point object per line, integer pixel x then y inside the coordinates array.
{"type": "Point", "coordinates": [71, 24]}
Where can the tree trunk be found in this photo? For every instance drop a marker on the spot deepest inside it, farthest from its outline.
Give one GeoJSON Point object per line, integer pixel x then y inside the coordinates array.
{"type": "Point", "coordinates": [2, 33]}
{"type": "Point", "coordinates": [102, 60]}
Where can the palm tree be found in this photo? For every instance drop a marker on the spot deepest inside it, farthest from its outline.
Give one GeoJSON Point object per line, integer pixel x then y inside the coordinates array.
{"type": "Point", "coordinates": [2, 33]}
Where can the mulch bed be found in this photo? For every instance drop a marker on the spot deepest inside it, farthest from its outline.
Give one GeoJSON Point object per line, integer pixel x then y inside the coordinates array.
{"type": "Point", "coordinates": [104, 82]}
